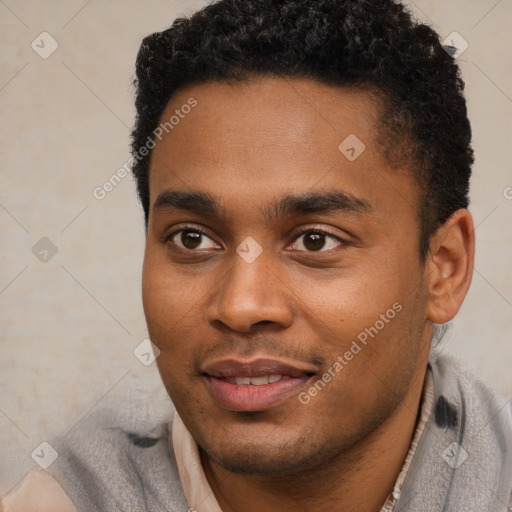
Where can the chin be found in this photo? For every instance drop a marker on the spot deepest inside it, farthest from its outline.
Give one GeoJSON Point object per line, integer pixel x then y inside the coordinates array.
{"type": "Point", "coordinates": [258, 460]}
{"type": "Point", "coordinates": [270, 452]}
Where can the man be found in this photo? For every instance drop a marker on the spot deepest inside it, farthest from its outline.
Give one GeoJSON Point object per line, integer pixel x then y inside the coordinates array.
{"type": "Point", "coordinates": [303, 168]}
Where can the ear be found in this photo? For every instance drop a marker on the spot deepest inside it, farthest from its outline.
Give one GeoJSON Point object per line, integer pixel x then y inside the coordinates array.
{"type": "Point", "coordinates": [449, 266]}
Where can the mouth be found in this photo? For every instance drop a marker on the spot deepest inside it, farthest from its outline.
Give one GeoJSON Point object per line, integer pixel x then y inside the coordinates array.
{"type": "Point", "coordinates": [257, 385]}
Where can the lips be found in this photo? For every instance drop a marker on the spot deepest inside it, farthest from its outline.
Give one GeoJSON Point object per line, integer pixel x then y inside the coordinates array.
{"type": "Point", "coordinates": [257, 385]}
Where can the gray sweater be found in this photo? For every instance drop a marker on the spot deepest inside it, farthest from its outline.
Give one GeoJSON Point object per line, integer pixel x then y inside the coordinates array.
{"type": "Point", "coordinates": [463, 462]}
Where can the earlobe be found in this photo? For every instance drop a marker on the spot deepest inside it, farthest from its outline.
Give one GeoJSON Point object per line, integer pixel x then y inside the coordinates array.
{"type": "Point", "coordinates": [449, 266]}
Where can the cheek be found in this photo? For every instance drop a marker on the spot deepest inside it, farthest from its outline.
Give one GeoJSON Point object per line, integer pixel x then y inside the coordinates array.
{"type": "Point", "coordinates": [167, 293]}
{"type": "Point", "coordinates": [347, 302]}
{"type": "Point", "coordinates": [376, 360]}
{"type": "Point", "coordinates": [174, 306]}
{"type": "Point", "coordinates": [165, 311]}
{"type": "Point", "coordinates": [370, 316]}
{"type": "Point", "coordinates": [166, 299]}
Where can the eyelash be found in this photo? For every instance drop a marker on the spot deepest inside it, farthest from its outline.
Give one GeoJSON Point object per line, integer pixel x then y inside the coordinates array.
{"type": "Point", "coordinates": [296, 235]}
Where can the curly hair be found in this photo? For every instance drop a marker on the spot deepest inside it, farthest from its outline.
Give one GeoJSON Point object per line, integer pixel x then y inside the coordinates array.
{"type": "Point", "coordinates": [371, 44]}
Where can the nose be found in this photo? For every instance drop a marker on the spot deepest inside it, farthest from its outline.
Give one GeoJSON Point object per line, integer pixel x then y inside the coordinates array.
{"type": "Point", "coordinates": [250, 294]}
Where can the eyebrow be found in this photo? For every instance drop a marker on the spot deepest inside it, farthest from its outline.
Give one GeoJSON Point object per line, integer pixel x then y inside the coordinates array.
{"type": "Point", "coordinates": [289, 205]}
{"type": "Point", "coordinates": [316, 202]}
{"type": "Point", "coordinates": [199, 202]}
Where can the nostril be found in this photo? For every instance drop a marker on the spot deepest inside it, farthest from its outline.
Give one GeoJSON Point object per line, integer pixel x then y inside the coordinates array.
{"type": "Point", "coordinates": [263, 322]}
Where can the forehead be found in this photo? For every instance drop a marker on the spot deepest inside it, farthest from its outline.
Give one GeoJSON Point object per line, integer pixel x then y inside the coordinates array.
{"type": "Point", "coordinates": [266, 137]}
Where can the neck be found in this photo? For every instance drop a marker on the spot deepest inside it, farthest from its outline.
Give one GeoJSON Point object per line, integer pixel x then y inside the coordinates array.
{"type": "Point", "coordinates": [357, 480]}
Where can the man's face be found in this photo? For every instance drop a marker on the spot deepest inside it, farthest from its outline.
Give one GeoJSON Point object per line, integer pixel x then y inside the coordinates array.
{"type": "Point", "coordinates": [269, 252]}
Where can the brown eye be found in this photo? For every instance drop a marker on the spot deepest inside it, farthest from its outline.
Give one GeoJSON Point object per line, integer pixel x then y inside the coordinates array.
{"type": "Point", "coordinates": [191, 239]}
{"type": "Point", "coordinates": [314, 241]}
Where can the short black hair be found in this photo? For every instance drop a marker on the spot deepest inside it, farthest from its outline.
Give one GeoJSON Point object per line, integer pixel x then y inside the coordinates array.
{"type": "Point", "coordinates": [370, 44]}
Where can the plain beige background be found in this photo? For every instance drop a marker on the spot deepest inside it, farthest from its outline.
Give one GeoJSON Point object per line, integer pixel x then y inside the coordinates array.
{"type": "Point", "coordinates": [70, 324]}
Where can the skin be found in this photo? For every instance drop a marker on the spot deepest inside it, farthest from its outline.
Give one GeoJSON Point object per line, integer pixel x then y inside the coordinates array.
{"type": "Point", "coordinates": [248, 145]}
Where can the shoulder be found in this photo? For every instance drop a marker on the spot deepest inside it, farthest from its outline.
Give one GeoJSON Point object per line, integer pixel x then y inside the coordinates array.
{"type": "Point", "coordinates": [39, 491]}
{"type": "Point", "coordinates": [97, 460]}
{"type": "Point", "coordinates": [462, 460]}
{"type": "Point", "coordinates": [101, 467]}
{"type": "Point", "coordinates": [460, 390]}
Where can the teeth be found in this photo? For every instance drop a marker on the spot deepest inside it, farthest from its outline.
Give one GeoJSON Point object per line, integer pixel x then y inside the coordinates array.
{"type": "Point", "coordinates": [257, 381]}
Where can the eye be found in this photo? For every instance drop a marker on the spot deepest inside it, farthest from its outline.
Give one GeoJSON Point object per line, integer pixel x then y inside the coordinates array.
{"type": "Point", "coordinates": [192, 239]}
{"type": "Point", "coordinates": [316, 241]}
